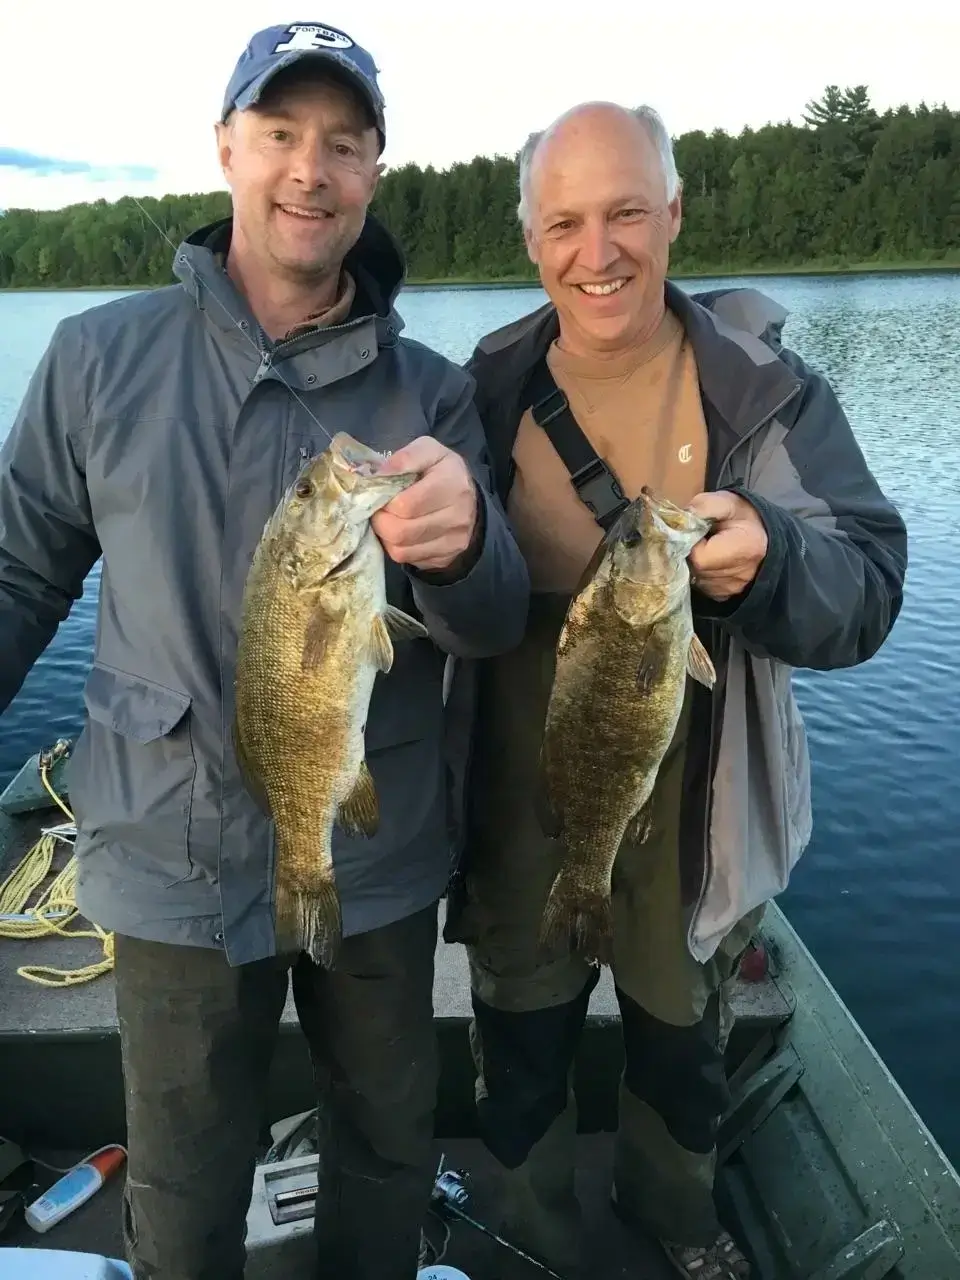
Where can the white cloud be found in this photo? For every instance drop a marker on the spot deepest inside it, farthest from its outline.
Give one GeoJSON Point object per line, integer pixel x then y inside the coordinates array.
{"type": "Point", "coordinates": [114, 88]}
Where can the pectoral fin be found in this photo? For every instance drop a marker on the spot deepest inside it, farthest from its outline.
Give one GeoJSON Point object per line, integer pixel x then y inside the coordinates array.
{"type": "Point", "coordinates": [249, 775]}
{"type": "Point", "coordinates": [640, 825]}
{"type": "Point", "coordinates": [392, 624]}
{"type": "Point", "coordinates": [551, 824]}
{"type": "Point", "coordinates": [401, 626]}
{"type": "Point", "coordinates": [649, 666]}
{"type": "Point", "coordinates": [699, 665]}
{"type": "Point", "coordinates": [315, 640]}
{"type": "Point", "coordinates": [381, 646]}
{"type": "Point", "coordinates": [359, 814]}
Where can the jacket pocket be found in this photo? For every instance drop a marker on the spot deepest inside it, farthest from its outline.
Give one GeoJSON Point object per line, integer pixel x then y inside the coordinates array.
{"type": "Point", "coordinates": [133, 778]}
{"type": "Point", "coordinates": [797, 799]}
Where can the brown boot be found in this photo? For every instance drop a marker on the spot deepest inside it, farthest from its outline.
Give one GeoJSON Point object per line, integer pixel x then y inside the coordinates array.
{"type": "Point", "coordinates": [720, 1261]}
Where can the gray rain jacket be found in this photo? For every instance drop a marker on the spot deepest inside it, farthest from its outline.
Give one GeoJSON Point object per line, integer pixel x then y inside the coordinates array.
{"type": "Point", "coordinates": [826, 595]}
{"type": "Point", "coordinates": [158, 433]}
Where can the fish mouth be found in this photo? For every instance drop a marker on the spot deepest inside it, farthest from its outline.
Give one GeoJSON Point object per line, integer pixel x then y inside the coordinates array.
{"type": "Point", "coordinates": [678, 519]}
{"type": "Point", "coordinates": [356, 456]}
{"type": "Point", "coordinates": [673, 517]}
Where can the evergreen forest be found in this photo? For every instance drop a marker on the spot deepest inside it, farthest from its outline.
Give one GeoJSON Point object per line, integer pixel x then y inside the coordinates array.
{"type": "Point", "coordinates": [849, 187]}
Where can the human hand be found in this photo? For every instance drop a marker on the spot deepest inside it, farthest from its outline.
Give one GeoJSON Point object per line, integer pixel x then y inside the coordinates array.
{"type": "Point", "coordinates": [726, 562]}
{"type": "Point", "coordinates": [431, 524]}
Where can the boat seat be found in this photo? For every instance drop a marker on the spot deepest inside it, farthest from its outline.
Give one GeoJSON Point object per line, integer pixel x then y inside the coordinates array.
{"type": "Point", "coordinates": [762, 1005]}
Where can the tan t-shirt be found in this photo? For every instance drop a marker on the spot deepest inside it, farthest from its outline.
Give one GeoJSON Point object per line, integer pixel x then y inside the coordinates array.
{"type": "Point", "coordinates": [642, 414]}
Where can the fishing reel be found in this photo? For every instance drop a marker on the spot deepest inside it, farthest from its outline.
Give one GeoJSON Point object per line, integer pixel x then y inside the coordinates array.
{"type": "Point", "coordinates": [447, 1200]}
{"type": "Point", "coordinates": [449, 1189]}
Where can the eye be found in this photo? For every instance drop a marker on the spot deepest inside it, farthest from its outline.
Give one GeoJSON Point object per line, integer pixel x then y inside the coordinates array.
{"type": "Point", "coordinates": [280, 135]}
{"type": "Point", "coordinates": [344, 149]}
{"type": "Point", "coordinates": [633, 538]}
{"type": "Point", "coordinates": [303, 489]}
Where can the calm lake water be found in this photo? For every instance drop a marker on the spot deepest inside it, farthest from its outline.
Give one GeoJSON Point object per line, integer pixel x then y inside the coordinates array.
{"type": "Point", "coordinates": [877, 895]}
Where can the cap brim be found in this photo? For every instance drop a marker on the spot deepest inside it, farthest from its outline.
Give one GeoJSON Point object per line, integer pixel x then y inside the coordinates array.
{"type": "Point", "coordinates": [252, 94]}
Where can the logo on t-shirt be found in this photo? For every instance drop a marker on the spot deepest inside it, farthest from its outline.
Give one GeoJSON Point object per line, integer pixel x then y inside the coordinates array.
{"type": "Point", "coordinates": [685, 453]}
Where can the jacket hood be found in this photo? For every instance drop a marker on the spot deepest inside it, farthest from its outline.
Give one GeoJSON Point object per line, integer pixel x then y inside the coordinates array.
{"type": "Point", "coordinates": [376, 262]}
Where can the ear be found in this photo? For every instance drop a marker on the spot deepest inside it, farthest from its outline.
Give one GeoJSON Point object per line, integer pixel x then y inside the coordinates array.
{"type": "Point", "coordinates": [224, 136]}
{"type": "Point", "coordinates": [675, 214]}
{"type": "Point", "coordinates": [530, 240]}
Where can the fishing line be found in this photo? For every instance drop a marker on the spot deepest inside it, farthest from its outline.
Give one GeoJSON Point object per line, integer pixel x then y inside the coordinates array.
{"type": "Point", "coordinates": [238, 324]}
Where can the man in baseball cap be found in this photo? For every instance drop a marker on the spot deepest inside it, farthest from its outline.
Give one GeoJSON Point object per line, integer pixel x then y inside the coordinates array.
{"type": "Point", "coordinates": [275, 48]}
{"type": "Point", "coordinates": [281, 331]}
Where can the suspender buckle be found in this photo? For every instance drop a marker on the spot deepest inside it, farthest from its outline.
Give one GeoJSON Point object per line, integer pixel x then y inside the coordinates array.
{"type": "Point", "coordinates": [599, 490]}
{"type": "Point", "coordinates": [562, 406]}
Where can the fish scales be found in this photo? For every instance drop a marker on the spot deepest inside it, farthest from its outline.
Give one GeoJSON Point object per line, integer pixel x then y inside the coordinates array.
{"type": "Point", "coordinates": [623, 655]}
{"type": "Point", "coordinates": [316, 629]}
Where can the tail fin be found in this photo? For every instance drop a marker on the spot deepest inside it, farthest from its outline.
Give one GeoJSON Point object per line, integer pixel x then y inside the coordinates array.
{"type": "Point", "coordinates": [579, 916]}
{"type": "Point", "coordinates": [310, 922]}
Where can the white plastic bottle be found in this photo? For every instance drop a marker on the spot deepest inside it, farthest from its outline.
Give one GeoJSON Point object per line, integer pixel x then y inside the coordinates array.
{"type": "Point", "coordinates": [73, 1189]}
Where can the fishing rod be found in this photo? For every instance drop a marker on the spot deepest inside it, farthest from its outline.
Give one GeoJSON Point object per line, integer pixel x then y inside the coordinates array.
{"type": "Point", "coordinates": [450, 1194]}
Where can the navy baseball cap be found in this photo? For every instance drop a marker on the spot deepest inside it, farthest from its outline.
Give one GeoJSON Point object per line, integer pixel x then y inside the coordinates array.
{"type": "Point", "coordinates": [274, 48]}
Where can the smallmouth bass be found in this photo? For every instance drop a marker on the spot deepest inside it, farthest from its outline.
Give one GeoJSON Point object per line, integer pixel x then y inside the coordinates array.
{"type": "Point", "coordinates": [315, 630]}
{"type": "Point", "coordinates": [622, 659]}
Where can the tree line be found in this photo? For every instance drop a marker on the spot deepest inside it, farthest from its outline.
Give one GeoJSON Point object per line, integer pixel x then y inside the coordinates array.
{"type": "Point", "coordinates": [847, 186]}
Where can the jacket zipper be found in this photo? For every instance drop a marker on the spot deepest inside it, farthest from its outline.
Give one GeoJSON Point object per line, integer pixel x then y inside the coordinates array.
{"type": "Point", "coordinates": [721, 639]}
{"type": "Point", "coordinates": [268, 354]}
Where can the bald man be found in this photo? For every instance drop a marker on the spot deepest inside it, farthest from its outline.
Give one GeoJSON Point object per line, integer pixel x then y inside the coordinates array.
{"type": "Point", "coordinates": [623, 380]}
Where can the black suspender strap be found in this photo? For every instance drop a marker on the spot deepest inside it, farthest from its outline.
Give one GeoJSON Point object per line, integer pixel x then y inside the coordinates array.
{"type": "Point", "coordinates": [596, 485]}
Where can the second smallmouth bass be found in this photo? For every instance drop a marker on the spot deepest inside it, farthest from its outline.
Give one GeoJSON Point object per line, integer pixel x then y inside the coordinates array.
{"type": "Point", "coordinates": [316, 629]}
{"type": "Point", "coordinates": [623, 656]}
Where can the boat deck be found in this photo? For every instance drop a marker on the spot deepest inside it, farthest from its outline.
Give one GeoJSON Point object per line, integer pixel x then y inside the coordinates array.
{"type": "Point", "coordinates": [614, 1253]}
{"type": "Point", "coordinates": [29, 1008]}
{"type": "Point", "coordinates": [77, 1025]}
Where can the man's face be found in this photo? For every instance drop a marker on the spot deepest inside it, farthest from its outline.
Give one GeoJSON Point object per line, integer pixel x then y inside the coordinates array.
{"type": "Point", "coordinates": [302, 166]}
{"type": "Point", "coordinates": [601, 228]}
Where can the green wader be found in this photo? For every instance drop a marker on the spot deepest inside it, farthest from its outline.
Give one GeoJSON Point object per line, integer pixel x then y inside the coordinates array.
{"type": "Point", "coordinates": [530, 1005]}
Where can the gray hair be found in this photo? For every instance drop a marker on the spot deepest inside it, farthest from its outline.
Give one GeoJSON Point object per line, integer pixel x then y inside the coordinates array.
{"type": "Point", "coordinates": [651, 121]}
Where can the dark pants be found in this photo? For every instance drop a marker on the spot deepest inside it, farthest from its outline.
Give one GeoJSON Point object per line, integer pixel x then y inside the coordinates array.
{"type": "Point", "coordinates": [197, 1039]}
{"type": "Point", "coordinates": [530, 1002]}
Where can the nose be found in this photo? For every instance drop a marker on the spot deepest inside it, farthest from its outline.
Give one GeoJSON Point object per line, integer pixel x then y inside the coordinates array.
{"type": "Point", "coordinates": [597, 249]}
{"type": "Point", "coordinates": [309, 166]}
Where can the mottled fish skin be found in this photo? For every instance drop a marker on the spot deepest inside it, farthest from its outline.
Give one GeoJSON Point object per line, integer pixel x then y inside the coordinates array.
{"type": "Point", "coordinates": [316, 629]}
{"type": "Point", "coordinates": [623, 656]}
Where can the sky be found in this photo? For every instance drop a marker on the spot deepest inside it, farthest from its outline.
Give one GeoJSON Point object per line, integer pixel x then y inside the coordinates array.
{"type": "Point", "coordinates": [101, 102]}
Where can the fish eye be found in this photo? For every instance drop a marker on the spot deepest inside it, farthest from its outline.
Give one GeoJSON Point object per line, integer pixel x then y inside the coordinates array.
{"type": "Point", "coordinates": [633, 538]}
{"type": "Point", "coordinates": [303, 489]}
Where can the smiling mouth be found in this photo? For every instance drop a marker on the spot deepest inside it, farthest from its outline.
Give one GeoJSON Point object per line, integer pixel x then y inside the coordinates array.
{"type": "Point", "coordinates": [308, 215]}
{"type": "Point", "coordinates": [604, 287]}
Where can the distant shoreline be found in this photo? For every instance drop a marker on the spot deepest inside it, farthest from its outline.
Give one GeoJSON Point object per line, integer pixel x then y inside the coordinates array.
{"type": "Point", "coordinates": [944, 266]}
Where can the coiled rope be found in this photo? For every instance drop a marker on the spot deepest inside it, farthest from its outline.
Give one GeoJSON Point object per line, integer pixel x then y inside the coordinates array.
{"type": "Point", "coordinates": [55, 908]}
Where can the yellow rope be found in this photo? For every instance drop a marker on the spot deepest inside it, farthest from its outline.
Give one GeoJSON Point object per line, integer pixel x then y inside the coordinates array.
{"type": "Point", "coordinates": [54, 909]}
